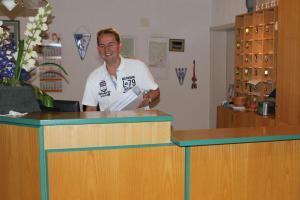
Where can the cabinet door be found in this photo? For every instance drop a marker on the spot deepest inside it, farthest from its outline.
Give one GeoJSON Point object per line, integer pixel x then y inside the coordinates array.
{"type": "Point", "coordinates": [242, 119]}
{"type": "Point", "coordinates": [224, 117]}
{"type": "Point", "coordinates": [264, 121]}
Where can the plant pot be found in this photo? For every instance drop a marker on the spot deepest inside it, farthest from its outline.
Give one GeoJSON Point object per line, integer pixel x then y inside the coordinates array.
{"type": "Point", "coordinates": [18, 98]}
{"type": "Point", "coordinates": [240, 100]}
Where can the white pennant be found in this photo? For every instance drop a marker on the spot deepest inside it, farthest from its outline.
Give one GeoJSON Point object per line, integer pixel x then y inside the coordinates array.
{"type": "Point", "coordinates": [82, 41]}
{"type": "Point", "coordinates": [9, 4]}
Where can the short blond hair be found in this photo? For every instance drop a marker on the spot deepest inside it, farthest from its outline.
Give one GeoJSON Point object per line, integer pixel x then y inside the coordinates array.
{"type": "Point", "coordinates": [112, 31]}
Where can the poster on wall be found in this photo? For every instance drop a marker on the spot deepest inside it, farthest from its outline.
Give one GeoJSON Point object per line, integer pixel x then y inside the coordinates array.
{"type": "Point", "coordinates": [127, 46]}
{"type": "Point", "coordinates": [50, 77]}
{"type": "Point", "coordinates": [158, 57]}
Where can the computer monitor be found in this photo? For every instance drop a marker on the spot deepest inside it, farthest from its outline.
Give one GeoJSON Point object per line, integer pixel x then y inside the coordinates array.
{"type": "Point", "coordinates": [63, 106]}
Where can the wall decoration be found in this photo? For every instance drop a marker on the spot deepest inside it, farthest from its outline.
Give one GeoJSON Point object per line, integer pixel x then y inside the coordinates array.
{"type": "Point", "coordinates": [176, 45]}
{"type": "Point", "coordinates": [13, 27]}
{"type": "Point", "coordinates": [181, 72]}
{"type": "Point", "coordinates": [194, 78]}
{"type": "Point", "coordinates": [82, 40]}
{"type": "Point", "coordinates": [158, 57]}
{"type": "Point", "coordinates": [50, 77]}
{"type": "Point", "coordinates": [127, 46]}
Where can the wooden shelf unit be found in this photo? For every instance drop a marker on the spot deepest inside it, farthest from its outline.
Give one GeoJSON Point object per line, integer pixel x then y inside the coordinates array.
{"type": "Point", "coordinates": [255, 54]}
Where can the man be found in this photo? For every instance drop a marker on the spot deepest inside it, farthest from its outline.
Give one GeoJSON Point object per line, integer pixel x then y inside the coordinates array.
{"type": "Point", "coordinates": [116, 76]}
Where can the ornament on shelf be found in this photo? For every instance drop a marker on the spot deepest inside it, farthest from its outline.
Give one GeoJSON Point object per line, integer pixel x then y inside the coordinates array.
{"type": "Point", "coordinates": [250, 5]}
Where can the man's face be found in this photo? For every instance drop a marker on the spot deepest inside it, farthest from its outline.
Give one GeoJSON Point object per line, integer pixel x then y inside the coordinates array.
{"type": "Point", "coordinates": [109, 48]}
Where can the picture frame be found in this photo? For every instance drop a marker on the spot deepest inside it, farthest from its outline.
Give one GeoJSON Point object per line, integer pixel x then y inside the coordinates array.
{"type": "Point", "coordinates": [14, 29]}
{"type": "Point", "coordinates": [128, 48]}
{"type": "Point", "coordinates": [176, 45]}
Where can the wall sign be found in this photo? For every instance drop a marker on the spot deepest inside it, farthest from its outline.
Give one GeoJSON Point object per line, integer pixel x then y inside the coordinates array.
{"type": "Point", "coordinates": [176, 45]}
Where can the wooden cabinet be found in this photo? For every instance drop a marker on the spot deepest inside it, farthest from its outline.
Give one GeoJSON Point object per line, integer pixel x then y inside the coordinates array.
{"type": "Point", "coordinates": [288, 71]}
{"type": "Point", "coordinates": [255, 72]}
{"type": "Point", "coordinates": [286, 61]}
{"type": "Point", "coordinates": [228, 118]}
{"type": "Point", "coordinates": [255, 54]}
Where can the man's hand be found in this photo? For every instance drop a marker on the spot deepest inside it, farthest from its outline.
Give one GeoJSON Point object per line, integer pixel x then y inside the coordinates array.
{"type": "Point", "coordinates": [146, 101]}
{"type": "Point", "coordinates": [149, 97]}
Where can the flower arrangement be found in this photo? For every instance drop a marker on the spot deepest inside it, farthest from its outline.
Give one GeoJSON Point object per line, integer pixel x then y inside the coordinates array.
{"type": "Point", "coordinates": [17, 61]}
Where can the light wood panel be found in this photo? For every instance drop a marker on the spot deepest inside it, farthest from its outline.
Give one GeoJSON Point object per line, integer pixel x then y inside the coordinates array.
{"type": "Point", "coordinates": [288, 69]}
{"type": "Point", "coordinates": [260, 171]}
{"type": "Point", "coordinates": [95, 135]}
{"type": "Point", "coordinates": [19, 163]}
{"type": "Point", "coordinates": [137, 173]}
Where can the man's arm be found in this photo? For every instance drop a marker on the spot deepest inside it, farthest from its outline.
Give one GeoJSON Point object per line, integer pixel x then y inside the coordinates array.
{"type": "Point", "coordinates": [150, 97]}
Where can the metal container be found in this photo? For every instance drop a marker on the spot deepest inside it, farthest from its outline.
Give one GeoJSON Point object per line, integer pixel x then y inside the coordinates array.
{"type": "Point", "coordinates": [266, 108]}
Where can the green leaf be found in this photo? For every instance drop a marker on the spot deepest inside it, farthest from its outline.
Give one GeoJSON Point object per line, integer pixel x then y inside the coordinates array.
{"type": "Point", "coordinates": [19, 59]}
{"type": "Point", "coordinates": [57, 65]}
{"type": "Point", "coordinates": [43, 97]}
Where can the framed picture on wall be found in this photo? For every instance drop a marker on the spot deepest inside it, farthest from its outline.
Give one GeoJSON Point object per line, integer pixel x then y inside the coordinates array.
{"type": "Point", "coordinates": [176, 45]}
{"type": "Point", "coordinates": [13, 26]}
{"type": "Point", "coordinates": [128, 46]}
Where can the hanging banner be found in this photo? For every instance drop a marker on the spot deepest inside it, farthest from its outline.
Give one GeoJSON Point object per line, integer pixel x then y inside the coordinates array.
{"type": "Point", "coordinates": [82, 41]}
{"type": "Point", "coordinates": [181, 72]}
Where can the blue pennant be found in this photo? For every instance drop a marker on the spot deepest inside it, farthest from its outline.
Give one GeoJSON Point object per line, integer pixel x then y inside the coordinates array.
{"type": "Point", "coordinates": [82, 41]}
{"type": "Point", "coordinates": [180, 72]}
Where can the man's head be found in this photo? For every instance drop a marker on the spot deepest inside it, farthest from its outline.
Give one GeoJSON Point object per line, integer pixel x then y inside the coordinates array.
{"type": "Point", "coordinates": [109, 45]}
{"type": "Point", "coordinates": [111, 31]}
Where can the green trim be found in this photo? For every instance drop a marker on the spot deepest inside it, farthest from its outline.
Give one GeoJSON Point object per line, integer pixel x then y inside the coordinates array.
{"type": "Point", "coordinates": [187, 173]}
{"type": "Point", "coordinates": [205, 142]}
{"type": "Point", "coordinates": [108, 147]}
{"type": "Point", "coordinates": [25, 121]}
{"type": "Point", "coordinates": [47, 175]}
{"type": "Point", "coordinates": [26, 125]}
{"type": "Point", "coordinates": [42, 164]}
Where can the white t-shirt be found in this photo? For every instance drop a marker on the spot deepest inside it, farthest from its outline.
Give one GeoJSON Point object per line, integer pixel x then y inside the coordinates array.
{"type": "Point", "coordinates": [103, 89]}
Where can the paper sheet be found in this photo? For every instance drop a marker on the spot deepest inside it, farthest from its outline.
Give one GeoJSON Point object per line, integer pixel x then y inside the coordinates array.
{"type": "Point", "coordinates": [128, 101]}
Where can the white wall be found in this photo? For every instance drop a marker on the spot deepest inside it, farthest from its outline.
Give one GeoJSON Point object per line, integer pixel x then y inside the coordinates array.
{"type": "Point", "coordinates": [189, 20]}
{"type": "Point", "coordinates": [224, 11]}
{"type": "Point", "coordinates": [142, 19]}
{"type": "Point", "coordinates": [217, 73]}
{"type": "Point", "coordinates": [222, 49]}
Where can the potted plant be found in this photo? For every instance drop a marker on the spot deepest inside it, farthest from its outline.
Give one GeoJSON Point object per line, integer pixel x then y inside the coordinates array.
{"type": "Point", "coordinates": [16, 63]}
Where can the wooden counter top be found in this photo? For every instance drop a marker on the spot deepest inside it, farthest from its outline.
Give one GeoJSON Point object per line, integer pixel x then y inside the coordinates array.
{"type": "Point", "coordinates": [63, 118]}
{"type": "Point", "coordinates": [235, 135]}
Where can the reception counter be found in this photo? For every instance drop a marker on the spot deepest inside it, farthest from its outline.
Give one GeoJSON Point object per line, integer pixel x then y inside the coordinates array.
{"type": "Point", "coordinates": [90, 155]}
{"type": "Point", "coordinates": [135, 155]}
{"type": "Point", "coordinates": [261, 163]}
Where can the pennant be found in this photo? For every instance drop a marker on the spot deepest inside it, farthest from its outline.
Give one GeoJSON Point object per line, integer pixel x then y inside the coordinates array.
{"type": "Point", "coordinates": [181, 72]}
{"type": "Point", "coordinates": [82, 41]}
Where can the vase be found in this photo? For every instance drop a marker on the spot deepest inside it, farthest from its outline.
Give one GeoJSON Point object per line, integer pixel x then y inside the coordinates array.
{"type": "Point", "coordinates": [18, 98]}
{"type": "Point", "coordinates": [250, 5]}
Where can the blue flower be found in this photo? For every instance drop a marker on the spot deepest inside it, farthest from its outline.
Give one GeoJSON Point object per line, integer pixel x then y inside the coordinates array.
{"type": "Point", "coordinates": [7, 61]}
